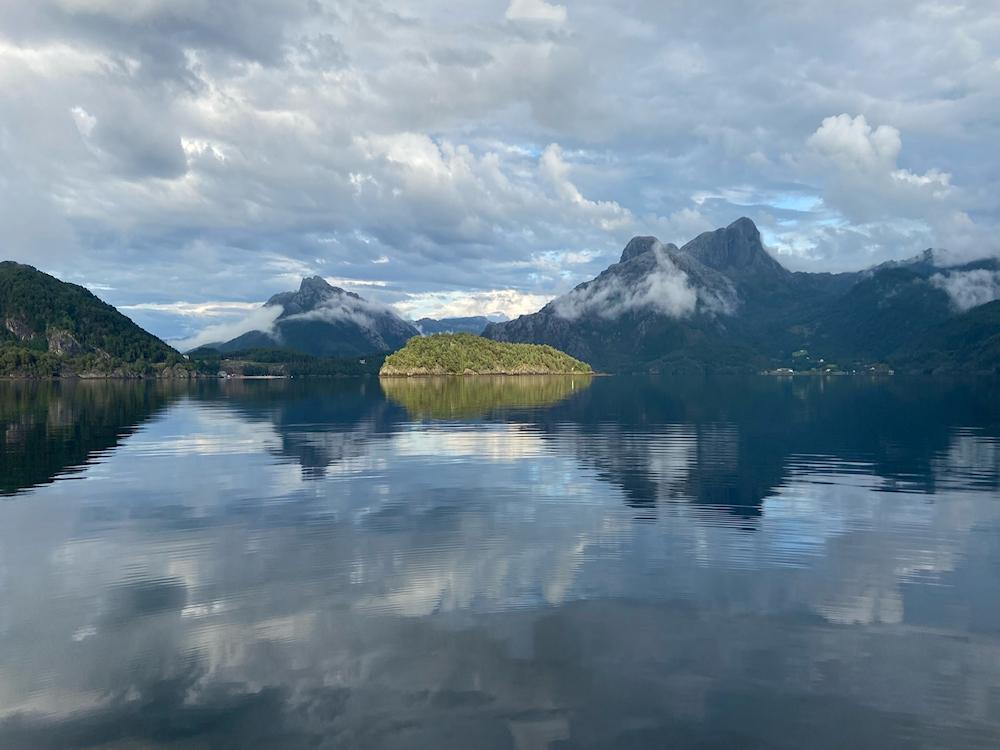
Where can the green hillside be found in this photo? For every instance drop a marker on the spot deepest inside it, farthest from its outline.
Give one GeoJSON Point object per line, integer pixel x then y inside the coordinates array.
{"type": "Point", "coordinates": [967, 343]}
{"type": "Point", "coordinates": [465, 354]}
{"type": "Point", "coordinates": [49, 328]}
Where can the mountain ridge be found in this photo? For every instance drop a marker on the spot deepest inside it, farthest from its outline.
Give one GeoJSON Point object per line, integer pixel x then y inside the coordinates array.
{"type": "Point", "coordinates": [721, 301]}
{"type": "Point", "coordinates": [469, 324]}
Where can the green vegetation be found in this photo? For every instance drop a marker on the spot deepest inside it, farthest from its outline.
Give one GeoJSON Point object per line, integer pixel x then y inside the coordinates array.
{"type": "Point", "coordinates": [49, 328]}
{"type": "Point", "coordinates": [465, 354]}
{"type": "Point", "coordinates": [967, 343]}
{"type": "Point", "coordinates": [49, 426]}
{"type": "Point", "coordinates": [271, 362]}
{"type": "Point", "coordinates": [450, 397]}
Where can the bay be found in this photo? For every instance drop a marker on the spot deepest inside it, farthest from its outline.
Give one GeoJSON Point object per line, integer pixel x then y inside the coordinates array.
{"type": "Point", "coordinates": [500, 563]}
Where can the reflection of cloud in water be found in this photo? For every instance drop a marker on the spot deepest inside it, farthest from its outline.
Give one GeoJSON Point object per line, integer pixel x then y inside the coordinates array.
{"type": "Point", "coordinates": [972, 459]}
{"type": "Point", "coordinates": [502, 442]}
{"type": "Point", "coordinates": [485, 585]}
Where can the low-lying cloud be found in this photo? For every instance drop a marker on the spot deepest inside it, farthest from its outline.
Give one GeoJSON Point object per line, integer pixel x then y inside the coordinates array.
{"type": "Point", "coordinates": [506, 303]}
{"type": "Point", "coordinates": [260, 319]}
{"type": "Point", "coordinates": [969, 289]}
{"type": "Point", "coordinates": [666, 289]}
{"type": "Point", "coordinates": [267, 318]}
{"type": "Point", "coordinates": [345, 308]}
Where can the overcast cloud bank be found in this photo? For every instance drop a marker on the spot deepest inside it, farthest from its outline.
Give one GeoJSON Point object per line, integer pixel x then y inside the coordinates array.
{"type": "Point", "coordinates": [166, 151]}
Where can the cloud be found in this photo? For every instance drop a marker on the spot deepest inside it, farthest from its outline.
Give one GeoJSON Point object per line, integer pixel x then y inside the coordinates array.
{"type": "Point", "coordinates": [853, 144]}
{"type": "Point", "coordinates": [969, 289]}
{"type": "Point", "coordinates": [261, 318]}
{"type": "Point", "coordinates": [509, 303]}
{"type": "Point", "coordinates": [666, 289]}
{"type": "Point", "coordinates": [176, 154]}
{"type": "Point", "coordinates": [535, 10]}
{"type": "Point", "coordinates": [357, 283]}
{"type": "Point", "coordinates": [858, 164]}
{"type": "Point", "coordinates": [607, 215]}
{"type": "Point", "coordinates": [864, 179]}
{"type": "Point", "coordinates": [265, 318]}
{"type": "Point", "coordinates": [345, 308]}
{"type": "Point", "coordinates": [190, 309]}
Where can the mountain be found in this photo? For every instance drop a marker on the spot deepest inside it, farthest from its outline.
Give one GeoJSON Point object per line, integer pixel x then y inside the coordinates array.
{"type": "Point", "coordinates": [659, 307]}
{"type": "Point", "coordinates": [325, 321]}
{"type": "Point", "coordinates": [429, 326]}
{"type": "Point", "coordinates": [723, 302]}
{"type": "Point", "coordinates": [49, 327]}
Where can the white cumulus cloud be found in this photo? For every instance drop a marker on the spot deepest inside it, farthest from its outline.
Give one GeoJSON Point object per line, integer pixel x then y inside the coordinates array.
{"type": "Point", "coordinates": [535, 10]}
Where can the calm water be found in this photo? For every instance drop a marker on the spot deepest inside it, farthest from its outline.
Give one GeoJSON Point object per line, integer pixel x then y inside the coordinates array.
{"type": "Point", "coordinates": [534, 563]}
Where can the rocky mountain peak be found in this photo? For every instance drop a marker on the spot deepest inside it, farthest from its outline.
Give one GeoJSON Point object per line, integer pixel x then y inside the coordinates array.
{"type": "Point", "coordinates": [638, 246]}
{"type": "Point", "coordinates": [316, 284]}
{"type": "Point", "coordinates": [313, 292]}
{"type": "Point", "coordinates": [736, 248]}
{"type": "Point", "coordinates": [745, 226]}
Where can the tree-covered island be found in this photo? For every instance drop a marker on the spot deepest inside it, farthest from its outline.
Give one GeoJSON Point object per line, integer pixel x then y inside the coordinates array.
{"type": "Point", "coordinates": [466, 354]}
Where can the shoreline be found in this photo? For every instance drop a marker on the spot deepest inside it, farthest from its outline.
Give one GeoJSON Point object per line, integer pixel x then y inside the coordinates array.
{"type": "Point", "coordinates": [483, 374]}
{"type": "Point", "coordinates": [158, 378]}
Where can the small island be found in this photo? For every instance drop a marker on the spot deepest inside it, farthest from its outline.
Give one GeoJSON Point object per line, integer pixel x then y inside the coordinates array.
{"type": "Point", "coordinates": [466, 354]}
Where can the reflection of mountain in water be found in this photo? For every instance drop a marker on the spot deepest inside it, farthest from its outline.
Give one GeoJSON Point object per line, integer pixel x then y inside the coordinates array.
{"type": "Point", "coordinates": [733, 442]}
{"type": "Point", "coordinates": [724, 443]}
{"type": "Point", "coordinates": [50, 427]}
{"type": "Point", "coordinates": [480, 396]}
{"type": "Point", "coordinates": [727, 443]}
{"type": "Point", "coordinates": [431, 606]}
{"type": "Point", "coordinates": [320, 423]}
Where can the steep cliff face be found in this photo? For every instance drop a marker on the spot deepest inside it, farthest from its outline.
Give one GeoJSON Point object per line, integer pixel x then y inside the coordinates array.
{"type": "Point", "coordinates": [63, 343]}
{"type": "Point", "coordinates": [19, 328]}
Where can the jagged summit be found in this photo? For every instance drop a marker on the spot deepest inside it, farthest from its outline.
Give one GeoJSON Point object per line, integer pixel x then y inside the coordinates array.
{"type": "Point", "coordinates": [638, 246]}
{"type": "Point", "coordinates": [736, 248]}
{"type": "Point", "coordinates": [313, 292]}
{"type": "Point", "coordinates": [746, 226]}
{"type": "Point", "coordinates": [316, 284]}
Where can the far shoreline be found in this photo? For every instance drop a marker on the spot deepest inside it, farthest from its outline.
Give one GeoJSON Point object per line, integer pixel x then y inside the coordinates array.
{"type": "Point", "coordinates": [405, 375]}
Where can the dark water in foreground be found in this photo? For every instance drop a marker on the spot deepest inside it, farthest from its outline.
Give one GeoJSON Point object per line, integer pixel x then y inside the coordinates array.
{"type": "Point", "coordinates": [500, 564]}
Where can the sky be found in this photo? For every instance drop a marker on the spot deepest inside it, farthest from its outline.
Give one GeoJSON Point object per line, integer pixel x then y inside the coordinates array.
{"type": "Point", "coordinates": [186, 159]}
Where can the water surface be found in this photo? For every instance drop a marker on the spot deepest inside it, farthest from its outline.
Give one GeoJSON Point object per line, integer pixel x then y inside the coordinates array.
{"type": "Point", "coordinates": [500, 563]}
